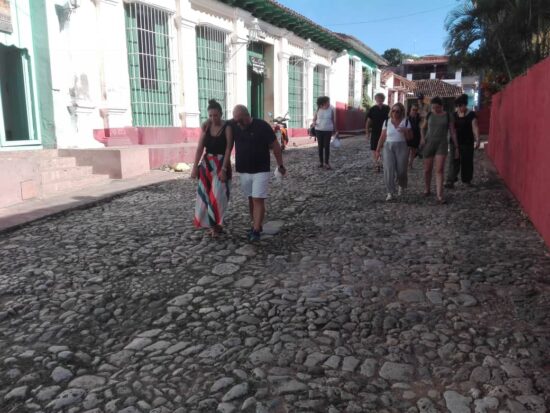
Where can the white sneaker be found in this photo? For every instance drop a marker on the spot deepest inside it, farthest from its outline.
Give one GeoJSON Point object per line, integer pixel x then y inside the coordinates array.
{"type": "Point", "coordinates": [389, 197]}
{"type": "Point", "coordinates": [400, 191]}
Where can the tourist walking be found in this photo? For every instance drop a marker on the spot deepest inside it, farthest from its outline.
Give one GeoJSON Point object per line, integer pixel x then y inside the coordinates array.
{"type": "Point", "coordinates": [434, 132]}
{"type": "Point", "coordinates": [414, 122]}
{"type": "Point", "coordinates": [254, 138]}
{"type": "Point", "coordinates": [467, 132]}
{"type": "Point", "coordinates": [324, 121]}
{"type": "Point", "coordinates": [376, 116]}
{"type": "Point", "coordinates": [212, 167]}
{"type": "Point", "coordinates": [395, 133]}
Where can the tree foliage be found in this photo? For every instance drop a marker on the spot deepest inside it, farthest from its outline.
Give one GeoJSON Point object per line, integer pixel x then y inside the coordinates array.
{"type": "Point", "coordinates": [501, 36]}
{"type": "Point", "coordinates": [393, 56]}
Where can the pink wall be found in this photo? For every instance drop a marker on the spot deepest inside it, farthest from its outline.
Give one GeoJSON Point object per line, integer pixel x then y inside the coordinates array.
{"type": "Point", "coordinates": [519, 142]}
{"type": "Point", "coordinates": [349, 119]}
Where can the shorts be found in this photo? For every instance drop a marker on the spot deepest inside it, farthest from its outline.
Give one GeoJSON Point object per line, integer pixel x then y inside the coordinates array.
{"type": "Point", "coordinates": [438, 146]}
{"type": "Point", "coordinates": [374, 138]}
{"type": "Point", "coordinates": [255, 185]}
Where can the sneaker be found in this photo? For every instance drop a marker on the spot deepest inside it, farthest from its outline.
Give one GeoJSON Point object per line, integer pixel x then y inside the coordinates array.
{"type": "Point", "coordinates": [389, 197]}
{"type": "Point", "coordinates": [254, 236]}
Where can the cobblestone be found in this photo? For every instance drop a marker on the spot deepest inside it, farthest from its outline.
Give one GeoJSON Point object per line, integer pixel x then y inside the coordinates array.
{"type": "Point", "coordinates": [348, 304]}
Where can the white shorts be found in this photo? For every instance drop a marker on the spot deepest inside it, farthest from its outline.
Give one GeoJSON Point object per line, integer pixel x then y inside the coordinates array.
{"type": "Point", "coordinates": [255, 185]}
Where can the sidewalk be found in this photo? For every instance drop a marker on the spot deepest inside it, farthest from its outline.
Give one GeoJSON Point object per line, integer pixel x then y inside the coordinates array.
{"type": "Point", "coordinates": [24, 212]}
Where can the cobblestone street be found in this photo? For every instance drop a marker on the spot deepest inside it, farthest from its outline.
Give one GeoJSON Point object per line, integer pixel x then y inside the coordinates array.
{"type": "Point", "coordinates": [355, 305]}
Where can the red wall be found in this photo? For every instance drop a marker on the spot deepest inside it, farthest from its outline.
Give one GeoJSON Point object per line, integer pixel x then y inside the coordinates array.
{"type": "Point", "coordinates": [349, 119]}
{"type": "Point", "coordinates": [519, 142]}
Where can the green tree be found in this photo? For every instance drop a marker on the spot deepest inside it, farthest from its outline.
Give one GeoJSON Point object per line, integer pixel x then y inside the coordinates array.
{"type": "Point", "coordinates": [502, 36]}
{"type": "Point", "coordinates": [393, 56]}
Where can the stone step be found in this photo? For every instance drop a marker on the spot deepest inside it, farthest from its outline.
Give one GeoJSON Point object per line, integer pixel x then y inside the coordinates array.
{"type": "Point", "coordinates": [57, 187]}
{"type": "Point", "coordinates": [59, 162]}
{"type": "Point", "coordinates": [50, 175]}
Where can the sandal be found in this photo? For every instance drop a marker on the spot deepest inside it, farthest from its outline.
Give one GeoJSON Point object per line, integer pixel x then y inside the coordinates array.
{"type": "Point", "coordinates": [328, 167]}
{"type": "Point", "coordinates": [426, 194]}
{"type": "Point", "coordinates": [441, 201]}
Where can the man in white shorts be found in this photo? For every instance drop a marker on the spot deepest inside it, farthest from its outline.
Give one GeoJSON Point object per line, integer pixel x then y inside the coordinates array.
{"type": "Point", "coordinates": [254, 138]}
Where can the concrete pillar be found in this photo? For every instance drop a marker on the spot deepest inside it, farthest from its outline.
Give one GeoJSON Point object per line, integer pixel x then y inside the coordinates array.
{"type": "Point", "coordinates": [189, 106]}
{"type": "Point", "coordinates": [309, 66]}
{"type": "Point", "coordinates": [358, 82]}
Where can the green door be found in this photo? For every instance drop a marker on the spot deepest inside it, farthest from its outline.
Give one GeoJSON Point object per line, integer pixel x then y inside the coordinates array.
{"type": "Point", "coordinates": [256, 68]}
{"type": "Point", "coordinates": [16, 114]}
{"type": "Point", "coordinates": [318, 84]}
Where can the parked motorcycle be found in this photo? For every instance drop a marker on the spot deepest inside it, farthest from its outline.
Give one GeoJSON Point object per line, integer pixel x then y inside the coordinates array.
{"type": "Point", "coordinates": [280, 128]}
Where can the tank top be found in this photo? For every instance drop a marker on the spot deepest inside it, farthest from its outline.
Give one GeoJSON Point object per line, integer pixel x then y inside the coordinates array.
{"type": "Point", "coordinates": [215, 144]}
{"type": "Point", "coordinates": [438, 127]}
{"type": "Point", "coordinates": [324, 120]}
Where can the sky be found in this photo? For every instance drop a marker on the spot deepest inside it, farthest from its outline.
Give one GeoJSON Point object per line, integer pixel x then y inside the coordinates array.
{"type": "Point", "coordinates": [414, 27]}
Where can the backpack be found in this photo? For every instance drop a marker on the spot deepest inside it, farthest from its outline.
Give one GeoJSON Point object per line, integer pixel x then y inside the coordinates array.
{"type": "Point", "coordinates": [448, 119]}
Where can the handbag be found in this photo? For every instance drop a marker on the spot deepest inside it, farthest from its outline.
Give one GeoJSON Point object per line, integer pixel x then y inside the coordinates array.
{"type": "Point", "coordinates": [311, 131]}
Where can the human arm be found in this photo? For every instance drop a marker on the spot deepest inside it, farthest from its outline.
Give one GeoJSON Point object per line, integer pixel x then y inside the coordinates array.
{"type": "Point", "coordinates": [226, 166]}
{"type": "Point", "coordinates": [475, 129]}
{"type": "Point", "coordinates": [278, 153]}
{"type": "Point", "coordinates": [452, 130]}
{"type": "Point", "coordinates": [381, 142]}
{"type": "Point", "coordinates": [198, 156]}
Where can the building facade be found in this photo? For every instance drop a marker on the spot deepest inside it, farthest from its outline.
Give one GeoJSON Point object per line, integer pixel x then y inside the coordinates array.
{"type": "Point", "coordinates": [119, 71]}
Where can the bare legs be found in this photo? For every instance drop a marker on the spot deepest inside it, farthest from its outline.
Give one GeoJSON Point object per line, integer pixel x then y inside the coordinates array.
{"type": "Point", "coordinates": [439, 172]}
{"type": "Point", "coordinates": [256, 207]}
{"type": "Point", "coordinates": [412, 155]}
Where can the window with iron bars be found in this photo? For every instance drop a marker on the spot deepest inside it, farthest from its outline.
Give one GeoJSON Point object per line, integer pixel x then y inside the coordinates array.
{"type": "Point", "coordinates": [351, 89]}
{"type": "Point", "coordinates": [149, 38]}
{"type": "Point", "coordinates": [319, 83]}
{"type": "Point", "coordinates": [211, 68]}
{"type": "Point", "coordinates": [296, 92]}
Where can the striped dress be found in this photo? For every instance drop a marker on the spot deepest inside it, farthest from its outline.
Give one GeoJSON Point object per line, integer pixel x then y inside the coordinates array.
{"type": "Point", "coordinates": [212, 193]}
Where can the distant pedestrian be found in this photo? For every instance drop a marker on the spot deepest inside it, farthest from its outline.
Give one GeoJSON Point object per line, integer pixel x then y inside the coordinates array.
{"type": "Point", "coordinates": [324, 121]}
{"type": "Point", "coordinates": [437, 126]}
{"type": "Point", "coordinates": [376, 116]}
{"type": "Point", "coordinates": [254, 138]}
{"type": "Point", "coordinates": [414, 142]}
{"type": "Point", "coordinates": [467, 132]}
{"type": "Point", "coordinates": [395, 133]}
{"type": "Point", "coordinates": [212, 167]}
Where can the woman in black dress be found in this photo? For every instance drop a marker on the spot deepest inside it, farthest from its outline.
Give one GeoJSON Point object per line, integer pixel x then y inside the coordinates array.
{"type": "Point", "coordinates": [414, 143]}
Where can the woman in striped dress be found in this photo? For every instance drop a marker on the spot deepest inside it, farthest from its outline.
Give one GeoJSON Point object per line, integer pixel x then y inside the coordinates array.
{"type": "Point", "coordinates": [212, 167]}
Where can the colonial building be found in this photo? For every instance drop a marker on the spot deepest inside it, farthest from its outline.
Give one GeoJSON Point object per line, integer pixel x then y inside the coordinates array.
{"type": "Point", "coordinates": [82, 75]}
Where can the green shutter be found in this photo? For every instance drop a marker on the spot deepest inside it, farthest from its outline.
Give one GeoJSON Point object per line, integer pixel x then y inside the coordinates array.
{"type": "Point", "coordinates": [295, 92]}
{"type": "Point", "coordinates": [149, 65]}
{"type": "Point", "coordinates": [211, 55]}
{"type": "Point", "coordinates": [319, 74]}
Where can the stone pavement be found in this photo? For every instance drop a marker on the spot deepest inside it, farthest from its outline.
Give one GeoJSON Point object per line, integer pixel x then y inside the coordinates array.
{"type": "Point", "coordinates": [355, 305]}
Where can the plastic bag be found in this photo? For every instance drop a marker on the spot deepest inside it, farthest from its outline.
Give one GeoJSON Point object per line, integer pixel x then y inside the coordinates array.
{"type": "Point", "coordinates": [278, 176]}
{"type": "Point", "coordinates": [335, 141]}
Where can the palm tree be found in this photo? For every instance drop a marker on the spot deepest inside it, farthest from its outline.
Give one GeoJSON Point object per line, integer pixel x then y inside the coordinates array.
{"type": "Point", "coordinates": [490, 34]}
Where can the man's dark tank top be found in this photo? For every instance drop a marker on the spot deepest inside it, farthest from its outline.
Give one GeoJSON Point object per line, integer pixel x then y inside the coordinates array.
{"type": "Point", "coordinates": [216, 144]}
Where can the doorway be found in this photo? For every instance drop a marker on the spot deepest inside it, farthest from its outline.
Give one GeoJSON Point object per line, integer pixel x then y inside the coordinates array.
{"type": "Point", "coordinates": [16, 116]}
{"type": "Point", "coordinates": [256, 71]}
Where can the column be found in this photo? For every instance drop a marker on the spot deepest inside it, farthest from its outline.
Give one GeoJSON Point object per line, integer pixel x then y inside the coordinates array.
{"type": "Point", "coordinates": [309, 93]}
{"type": "Point", "coordinates": [358, 82]}
{"type": "Point", "coordinates": [189, 107]}
{"type": "Point", "coordinates": [115, 104]}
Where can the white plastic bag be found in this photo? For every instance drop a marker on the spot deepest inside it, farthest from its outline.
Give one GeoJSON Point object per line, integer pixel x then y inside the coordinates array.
{"type": "Point", "coordinates": [278, 176]}
{"type": "Point", "coordinates": [335, 141]}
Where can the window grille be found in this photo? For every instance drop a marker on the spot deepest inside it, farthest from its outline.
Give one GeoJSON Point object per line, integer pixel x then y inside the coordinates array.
{"type": "Point", "coordinates": [351, 89]}
{"type": "Point", "coordinates": [150, 39]}
{"type": "Point", "coordinates": [296, 92]}
{"type": "Point", "coordinates": [211, 68]}
{"type": "Point", "coordinates": [319, 84]}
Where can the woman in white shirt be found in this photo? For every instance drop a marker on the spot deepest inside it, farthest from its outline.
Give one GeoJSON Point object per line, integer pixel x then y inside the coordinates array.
{"type": "Point", "coordinates": [396, 131]}
{"type": "Point", "coordinates": [325, 126]}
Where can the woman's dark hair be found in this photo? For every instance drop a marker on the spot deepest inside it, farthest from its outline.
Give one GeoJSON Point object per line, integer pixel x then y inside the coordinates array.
{"type": "Point", "coordinates": [461, 100]}
{"type": "Point", "coordinates": [321, 100]}
{"type": "Point", "coordinates": [213, 104]}
{"type": "Point", "coordinates": [436, 101]}
{"type": "Point", "coordinates": [414, 105]}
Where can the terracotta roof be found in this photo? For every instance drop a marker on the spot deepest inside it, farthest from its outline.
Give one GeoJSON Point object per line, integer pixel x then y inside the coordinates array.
{"type": "Point", "coordinates": [425, 60]}
{"type": "Point", "coordinates": [386, 74]}
{"type": "Point", "coordinates": [435, 87]}
{"type": "Point", "coordinates": [363, 48]}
